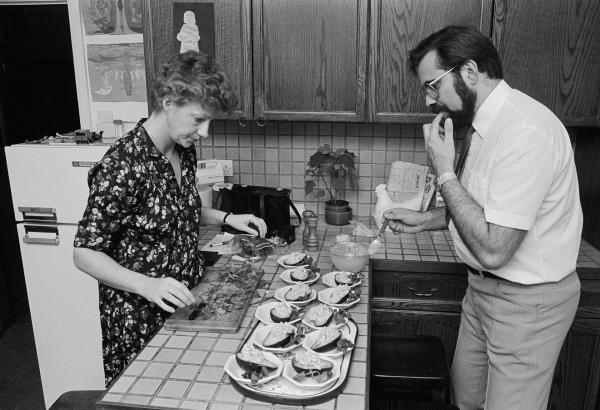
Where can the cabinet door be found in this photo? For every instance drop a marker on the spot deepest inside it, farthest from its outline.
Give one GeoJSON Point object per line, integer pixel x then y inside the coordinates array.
{"type": "Point", "coordinates": [550, 50]}
{"type": "Point", "coordinates": [576, 380]}
{"type": "Point", "coordinates": [396, 26]}
{"type": "Point", "coordinates": [228, 23]}
{"type": "Point", "coordinates": [405, 322]}
{"type": "Point", "coordinates": [310, 59]}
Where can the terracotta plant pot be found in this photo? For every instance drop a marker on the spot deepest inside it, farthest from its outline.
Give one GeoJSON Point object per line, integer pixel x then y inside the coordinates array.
{"type": "Point", "coordinates": [337, 212]}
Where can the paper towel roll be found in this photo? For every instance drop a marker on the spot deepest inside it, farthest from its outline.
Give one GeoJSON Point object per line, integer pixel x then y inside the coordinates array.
{"type": "Point", "coordinates": [205, 192]}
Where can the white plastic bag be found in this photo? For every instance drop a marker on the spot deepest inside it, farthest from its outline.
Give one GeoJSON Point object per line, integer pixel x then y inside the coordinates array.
{"type": "Point", "coordinates": [384, 203]}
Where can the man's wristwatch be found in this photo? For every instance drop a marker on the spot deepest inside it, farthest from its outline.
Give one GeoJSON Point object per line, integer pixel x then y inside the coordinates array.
{"type": "Point", "coordinates": [445, 177]}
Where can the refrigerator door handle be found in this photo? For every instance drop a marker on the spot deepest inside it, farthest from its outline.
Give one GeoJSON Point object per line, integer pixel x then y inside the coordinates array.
{"type": "Point", "coordinates": [45, 230]}
{"type": "Point", "coordinates": [38, 214]}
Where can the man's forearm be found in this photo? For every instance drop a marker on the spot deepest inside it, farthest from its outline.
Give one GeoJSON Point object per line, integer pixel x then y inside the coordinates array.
{"type": "Point", "coordinates": [437, 219]}
{"type": "Point", "coordinates": [468, 217]}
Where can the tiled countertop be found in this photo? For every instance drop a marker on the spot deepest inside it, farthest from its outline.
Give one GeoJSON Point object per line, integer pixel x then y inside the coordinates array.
{"type": "Point", "coordinates": [180, 369]}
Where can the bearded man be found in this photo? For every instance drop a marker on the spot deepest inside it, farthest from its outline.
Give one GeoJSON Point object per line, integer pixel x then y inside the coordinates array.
{"type": "Point", "coordinates": [513, 210]}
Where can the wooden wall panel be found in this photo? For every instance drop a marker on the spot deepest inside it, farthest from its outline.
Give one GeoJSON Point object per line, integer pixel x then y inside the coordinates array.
{"type": "Point", "coordinates": [587, 160]}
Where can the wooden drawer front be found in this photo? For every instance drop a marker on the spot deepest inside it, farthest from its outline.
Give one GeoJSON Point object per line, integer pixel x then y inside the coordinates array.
{"type": "Point", "coordinates": [443, 325]}
{"type": "Point", "coordinates": [419, 286]}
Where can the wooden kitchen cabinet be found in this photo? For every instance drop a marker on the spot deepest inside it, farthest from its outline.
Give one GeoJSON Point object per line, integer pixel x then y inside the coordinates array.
{"type": "Point", "coordinates": [300, 60]}
{"type": "Point", "coordinates": [417, 298]}
{"type": "Point", "coordinates": [396, 26]}
{"type": "Point", "coordinates": [550, 50]}
{"type": "Point", "coordinates": [424, 298]}
{"type": "Point", "coordinates": [232, 41]}
{"type": "Point", "coordinates": [310, 59]}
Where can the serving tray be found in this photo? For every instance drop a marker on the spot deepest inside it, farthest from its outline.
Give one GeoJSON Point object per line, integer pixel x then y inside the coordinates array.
{"type": "Point", "coordinates": [281, 391]}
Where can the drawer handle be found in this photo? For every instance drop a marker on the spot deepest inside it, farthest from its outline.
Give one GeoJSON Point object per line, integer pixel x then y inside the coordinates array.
{"type": "Point", "coordinates": [423, 294]}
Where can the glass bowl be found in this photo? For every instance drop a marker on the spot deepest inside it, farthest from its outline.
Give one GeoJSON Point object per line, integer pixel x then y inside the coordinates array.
{"type": "Point", "coordinates": [349, 256]}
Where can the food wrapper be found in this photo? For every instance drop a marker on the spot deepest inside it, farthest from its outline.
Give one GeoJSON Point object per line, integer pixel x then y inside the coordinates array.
{"type": "Point", "coordinates": [248, 246]}
{"type": "Point", "coordinates": [360, 229]}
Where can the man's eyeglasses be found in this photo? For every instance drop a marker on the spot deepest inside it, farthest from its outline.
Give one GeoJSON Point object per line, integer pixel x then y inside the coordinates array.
{"type": "Point", "coordinates": [429, 90]}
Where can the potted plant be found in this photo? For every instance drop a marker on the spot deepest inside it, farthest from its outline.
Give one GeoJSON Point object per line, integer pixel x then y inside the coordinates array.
{"type": "Point", "coordinates": [336, 170]}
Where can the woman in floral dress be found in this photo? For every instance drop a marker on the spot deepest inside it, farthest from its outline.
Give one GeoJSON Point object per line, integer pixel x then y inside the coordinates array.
{"type": "Point", "coordinates": [139, 233]}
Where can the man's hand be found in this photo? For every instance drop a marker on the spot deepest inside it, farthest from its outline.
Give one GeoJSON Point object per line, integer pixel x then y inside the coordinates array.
{"type": "Point", "coordinates": [406, 220]}
{"type": "Point", "coordinates": [439, 143]}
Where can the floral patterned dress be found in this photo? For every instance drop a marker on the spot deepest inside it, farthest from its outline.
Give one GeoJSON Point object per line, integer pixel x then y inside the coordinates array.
{"type": "Point", "coordinates": [141, 217]}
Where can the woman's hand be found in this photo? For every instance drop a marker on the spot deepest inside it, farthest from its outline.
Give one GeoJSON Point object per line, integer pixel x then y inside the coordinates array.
{"type": "Point", "coordinates": [406, 220]}
{"type": "Point", "coordinates": [159, 290]}
{"type": "Point", "coordinates": [241, 222]}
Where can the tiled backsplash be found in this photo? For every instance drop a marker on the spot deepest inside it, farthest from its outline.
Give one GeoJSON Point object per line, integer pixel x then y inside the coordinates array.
{"type": "Point", "coordinates": [276, 155]}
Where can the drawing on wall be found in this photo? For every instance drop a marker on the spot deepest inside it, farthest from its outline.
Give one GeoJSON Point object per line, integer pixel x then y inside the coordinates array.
{"type": "Point", "coordinates": [194, 27]}
{"type": "Point", "coordinates": [112, 16]}
{"type": "Point", "coordinates": [117, 72]}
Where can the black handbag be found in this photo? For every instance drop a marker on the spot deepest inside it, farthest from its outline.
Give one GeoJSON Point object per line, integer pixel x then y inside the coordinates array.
{"type": "Point", "coordinates": [270, 204]}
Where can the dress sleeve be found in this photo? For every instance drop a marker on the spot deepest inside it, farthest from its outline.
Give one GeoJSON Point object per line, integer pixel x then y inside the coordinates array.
{"type": "Point", "coordinates": [520, 179]}
{"type": "Point", "coordinates": [110, 203]}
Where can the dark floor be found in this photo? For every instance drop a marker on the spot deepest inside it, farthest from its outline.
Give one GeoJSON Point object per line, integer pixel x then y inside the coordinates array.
{"type": "Point", "coordinates": [20, 385]}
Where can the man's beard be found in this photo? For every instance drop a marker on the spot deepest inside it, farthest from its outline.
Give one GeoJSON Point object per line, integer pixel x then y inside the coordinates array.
{"type": "Point", "coordinates": [463, 117]}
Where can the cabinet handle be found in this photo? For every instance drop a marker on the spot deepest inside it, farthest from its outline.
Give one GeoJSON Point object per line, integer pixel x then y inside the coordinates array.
{"type": "Point", "coordinates": [243, 121]}
{"type": "Point", "coordinates": [261, 121]}
{"type": "Point", "coordinates": [424, 294]}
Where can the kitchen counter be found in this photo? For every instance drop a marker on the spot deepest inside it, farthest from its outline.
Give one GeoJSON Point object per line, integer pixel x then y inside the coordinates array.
{"type": "Point", "coordinates": [182, 369]}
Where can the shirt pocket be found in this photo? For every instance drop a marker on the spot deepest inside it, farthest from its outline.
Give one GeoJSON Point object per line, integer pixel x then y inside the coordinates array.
{"type": "Point", "coordinates": [477, 186]}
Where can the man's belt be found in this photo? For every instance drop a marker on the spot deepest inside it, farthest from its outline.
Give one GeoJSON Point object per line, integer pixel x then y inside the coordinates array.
{"type": "Point", "coordinates": [484, 273]}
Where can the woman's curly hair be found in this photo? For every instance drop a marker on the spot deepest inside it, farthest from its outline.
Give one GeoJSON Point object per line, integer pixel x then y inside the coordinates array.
{"type": "Point", "coordinates": [193, 77]}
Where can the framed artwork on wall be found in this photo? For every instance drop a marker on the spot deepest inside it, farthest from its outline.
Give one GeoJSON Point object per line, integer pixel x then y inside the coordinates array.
{"type": "Point", "coordinates": [116, 72]}
{"type": "Point", "coordinates": [111, 16]}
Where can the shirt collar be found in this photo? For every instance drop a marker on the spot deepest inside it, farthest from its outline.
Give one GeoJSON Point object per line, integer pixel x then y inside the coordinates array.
{"type": "Point", "coordinates": [145, 139]}
{"type": "Point", "coordinates": [151, 147]}
{"type": "Point", "coordinates": [490, 108]}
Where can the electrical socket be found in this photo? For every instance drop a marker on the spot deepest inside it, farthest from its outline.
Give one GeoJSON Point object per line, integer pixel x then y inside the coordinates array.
{"type": "Point", "coordinates": [227, 166]}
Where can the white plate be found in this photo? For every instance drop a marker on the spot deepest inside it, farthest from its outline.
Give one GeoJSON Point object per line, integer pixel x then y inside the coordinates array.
{"type": "Point", "coordinates": [279, 295]}
{"type": "Point", "coordinates": [311, 324]}
{"type": "Point", "coordinates": [263, 312]}
{"type": "Point", "coordinates": [286, 277]}
{"type": "Point", "coordinates": [289, 372]}
{"type": "Point", "coordinates": [329, 279]}
{"type": "Point", "coordinates": [333, 353]}
{"type": "Point", "coordinates": [281, 262]}
{"type": "Point", "coordinates": [325, 294]}
{"type": "Point", "coordinates": [259, 337]}
{"type": "Point", "coordinates": [233, 369]}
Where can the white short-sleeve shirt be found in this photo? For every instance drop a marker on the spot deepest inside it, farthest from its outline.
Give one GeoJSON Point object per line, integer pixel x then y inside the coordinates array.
{"type": "Point", "coordinates": [521, 170]}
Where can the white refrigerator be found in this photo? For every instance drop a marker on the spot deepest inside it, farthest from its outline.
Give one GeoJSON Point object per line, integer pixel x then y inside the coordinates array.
{"type": "Point", "coordinates": [49, 191]}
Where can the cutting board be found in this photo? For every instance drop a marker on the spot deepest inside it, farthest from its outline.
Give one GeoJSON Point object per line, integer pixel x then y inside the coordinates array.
{"type": "Point", "coordinates": [223, 297]}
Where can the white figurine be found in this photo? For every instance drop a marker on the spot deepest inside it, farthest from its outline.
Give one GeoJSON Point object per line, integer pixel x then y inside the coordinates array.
{"type": "Point", "coordinates": [189, 35]}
